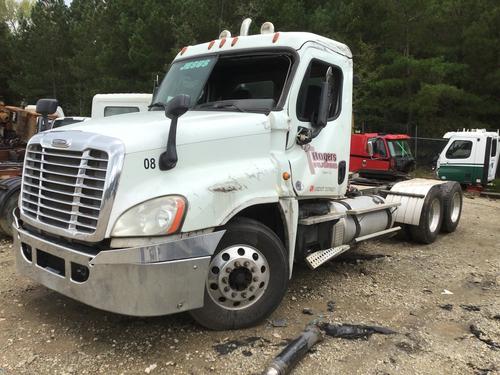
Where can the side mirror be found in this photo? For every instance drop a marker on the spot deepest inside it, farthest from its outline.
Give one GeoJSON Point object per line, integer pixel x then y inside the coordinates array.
{"type": "Point", "coordinates": [369, 148]}
{"type": "Point", "coordinates": [46, 106]}
{"type": "Point", "coordinates": [175, 108]}
{"type": "Point", "coordinates": [324, 100]}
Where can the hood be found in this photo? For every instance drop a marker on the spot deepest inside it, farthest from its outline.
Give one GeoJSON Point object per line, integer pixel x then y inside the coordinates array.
{"type": "Point", "coordinates": [149, 130]}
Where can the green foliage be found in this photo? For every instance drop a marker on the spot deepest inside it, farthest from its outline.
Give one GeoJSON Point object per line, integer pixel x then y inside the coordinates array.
{"type": "Point", "coordinates": [426, 64]}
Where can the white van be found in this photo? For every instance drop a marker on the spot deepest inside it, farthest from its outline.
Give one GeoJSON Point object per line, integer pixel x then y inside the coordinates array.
{"type": "Point", "coordinates": [104, 105]}
{"type": "Point", "coordinates": [469, 157]}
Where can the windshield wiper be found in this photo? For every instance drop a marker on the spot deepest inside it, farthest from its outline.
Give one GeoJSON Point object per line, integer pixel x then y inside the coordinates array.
{"type": "Point", "coordinates": [157, 105]}
{"type": "Point", "coordinates": [218, 105]}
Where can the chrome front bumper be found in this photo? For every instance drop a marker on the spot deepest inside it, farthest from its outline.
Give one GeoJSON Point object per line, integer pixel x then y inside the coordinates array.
{"type": "Point", "coordinates": [144, 281]}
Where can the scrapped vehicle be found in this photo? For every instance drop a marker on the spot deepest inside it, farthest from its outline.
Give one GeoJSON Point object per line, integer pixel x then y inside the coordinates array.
{"type": "Point", "coordinates": [383, 156]}
{"type": "Point", "coordinates": [17, 126]}
{"type": "Point", "coordinates": [240, 170]}
{"type": "Point", "coordinates": [470, 157]}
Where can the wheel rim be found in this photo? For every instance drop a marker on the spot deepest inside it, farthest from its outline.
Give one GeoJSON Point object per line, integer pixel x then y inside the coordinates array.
{"type": "Point", "coordinates": [455, 207]}
{"type": "Point", "coordinates": [238, 277]}
{"type": "Point", "coordinates": [434, 215]}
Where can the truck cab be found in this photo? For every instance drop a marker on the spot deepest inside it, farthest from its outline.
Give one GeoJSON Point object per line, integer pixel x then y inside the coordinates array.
{"type": "Point", "coordinates": [379, 155]}
{"type": "Point", "coordinates": [205, 202]}
{"type": "Point", "coordinates": [470, 157]}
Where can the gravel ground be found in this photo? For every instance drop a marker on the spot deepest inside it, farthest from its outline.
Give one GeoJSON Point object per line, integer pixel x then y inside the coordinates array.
{"type": "Point", "coordinates": [390, 283]}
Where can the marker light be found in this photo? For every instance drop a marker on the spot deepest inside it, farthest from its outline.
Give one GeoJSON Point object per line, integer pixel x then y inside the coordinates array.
{"type": "Point", "coordinates": [267, 28]}
{"type": "Point", "coordinates": [222, 42]}
{"type": "Point", "coordinates": [211, 44]}
{"type": "Point", "coordinates": [184, 49]}
{"type": "Point", "coordinates": [225, 34]}
{"type": "Point", "coordinates": [234, 41]}
{"type": "Point", "coordinates": [275, 37]}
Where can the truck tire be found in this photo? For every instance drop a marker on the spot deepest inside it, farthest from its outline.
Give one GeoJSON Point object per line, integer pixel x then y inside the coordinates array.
{"type": "Point", "coordinates": [247, 278]}
{"type": "Point", "coordinates": [452, 206]}
{"type": "Point", "coordinates": [9, 195]}
{"type": "Point", "coordinates": [430, 218]}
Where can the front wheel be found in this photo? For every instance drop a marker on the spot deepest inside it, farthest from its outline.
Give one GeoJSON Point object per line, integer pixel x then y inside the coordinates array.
{"type": "Point", "coordinates": [247, 277]}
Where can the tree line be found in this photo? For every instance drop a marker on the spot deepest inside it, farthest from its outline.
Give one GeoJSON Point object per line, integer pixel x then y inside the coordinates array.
{"type": "Point", "coordinates": [431, 65]}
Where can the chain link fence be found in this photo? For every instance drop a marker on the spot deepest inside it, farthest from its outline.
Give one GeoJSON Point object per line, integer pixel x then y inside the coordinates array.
{"type": "Point", "coordinates": [426, 151]}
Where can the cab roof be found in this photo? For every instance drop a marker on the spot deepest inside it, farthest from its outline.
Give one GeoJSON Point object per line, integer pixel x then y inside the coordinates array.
{"type": "Point", "coordinates": [293, 40]}
{"type": "Point", "coordinates": [383, 135]}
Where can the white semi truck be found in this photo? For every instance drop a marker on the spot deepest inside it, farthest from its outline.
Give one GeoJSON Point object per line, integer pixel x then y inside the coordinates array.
{"type": "Point", "coordinates": [205, 202]}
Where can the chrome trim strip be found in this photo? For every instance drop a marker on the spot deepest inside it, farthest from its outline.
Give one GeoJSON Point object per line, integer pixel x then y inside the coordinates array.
{"type": "Point", "coordinates": [81, 141]}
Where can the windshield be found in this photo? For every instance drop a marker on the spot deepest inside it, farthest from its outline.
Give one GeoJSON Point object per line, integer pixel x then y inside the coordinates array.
{"type": "Point", "coordinates": [251, 83]}
{"type": "Point", "coordinates": [399, 147]}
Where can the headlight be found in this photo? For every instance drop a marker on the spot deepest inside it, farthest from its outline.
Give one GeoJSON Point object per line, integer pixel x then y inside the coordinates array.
{"type": "Point", "coordinates": [159, 216]}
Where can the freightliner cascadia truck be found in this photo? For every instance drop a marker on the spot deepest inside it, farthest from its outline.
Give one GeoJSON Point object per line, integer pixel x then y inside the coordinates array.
{"type": "Point", "coordinates": [205, 202]}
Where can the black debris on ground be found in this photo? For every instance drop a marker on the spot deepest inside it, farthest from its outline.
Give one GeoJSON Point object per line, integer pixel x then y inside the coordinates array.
{"type": "Point", "coordinates": [470, 307]}
{"type": "Point", "coordinates": [278, 323]}
{"type": "Point", "coordinates": [480, 335]}
{"type": "Point", "coordinates": [447, 306]}
{"type": "Point", "coordinates": [353, 331]}
{"type": "Point", "coordinates": [307, 311]}
{"type": "Point", "coordinates": [230, 346]}
{"type": "Point", "coordinates": [330, 306]}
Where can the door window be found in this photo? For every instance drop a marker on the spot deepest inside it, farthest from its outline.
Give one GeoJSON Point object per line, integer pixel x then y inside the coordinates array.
{"type": "Point", "coordinates": [494, 148]}
{"type": "Point", "coordinates": [379, 150]}
{"type": "Point", "coordinates": [310, 91]}
{"type": "Point", "coordinates": [459, 150]}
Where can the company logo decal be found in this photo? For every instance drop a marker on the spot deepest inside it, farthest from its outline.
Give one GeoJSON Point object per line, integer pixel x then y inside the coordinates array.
{"type": "Point", "coordinates": [60, 143]}
{"type": "Point", "coordinates": [317, 159]}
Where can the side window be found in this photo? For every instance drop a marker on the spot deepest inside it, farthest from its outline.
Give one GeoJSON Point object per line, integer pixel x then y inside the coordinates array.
{"type": "Point", "coordinates": [379, 150]}
{"type": "Point", "coordinates": [310, 91]}
{"type": "Point", "coordinates": [114, 110]}
{"type": "Point", "coordinates": [459, 150]}
{"type": "Point", "coordinates": [494, 147]}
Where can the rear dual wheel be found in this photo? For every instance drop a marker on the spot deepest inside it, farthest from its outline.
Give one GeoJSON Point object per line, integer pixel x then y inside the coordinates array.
{"type": "Point", "coordinates": [452, 206]}
{"type": "Point", "coordinates": [431, 217]}
{"type": "Point", "coordinates": [247, 278]}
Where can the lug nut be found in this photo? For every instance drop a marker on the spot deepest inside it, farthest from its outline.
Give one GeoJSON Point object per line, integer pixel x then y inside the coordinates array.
{"type": "Point", "coordinates": [253, 269]}
{"type": "Point", "coordinates": [224, 280]}
{"type": "Point", "coordinates": [237, 264]}
{"type": "Point", "coordinates": [255, 279]}
{"type": "Point", "coordinates": [226, 289]}
{"type": "Point", "coordinates": [228, 270]}
{"type": "Point", "coordinates": [246, 264]}
{"type": "Point", "coordinates": [244, 295]}
{"type": "Point", "coordinates": [233, 294]}
{"type": "Point", "coordinates": [252, 288]}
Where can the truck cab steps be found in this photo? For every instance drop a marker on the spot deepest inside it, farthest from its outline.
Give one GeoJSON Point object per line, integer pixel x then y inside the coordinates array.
{"type": "Point", "coordinates": [320, 257]}
{"type": "Point", "coordinates": [377, 234]}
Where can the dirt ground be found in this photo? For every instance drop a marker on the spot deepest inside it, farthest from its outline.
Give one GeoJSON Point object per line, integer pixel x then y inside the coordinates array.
{"type": "Point", "coordinates": [389, 283]}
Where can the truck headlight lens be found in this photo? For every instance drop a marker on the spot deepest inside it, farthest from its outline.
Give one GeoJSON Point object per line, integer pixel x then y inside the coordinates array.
{"type": "Point", "coordinates": [156, 217]}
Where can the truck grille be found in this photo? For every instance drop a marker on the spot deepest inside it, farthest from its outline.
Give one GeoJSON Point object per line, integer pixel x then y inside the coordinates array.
{"type": "Point", "coordinates": [64, 188]}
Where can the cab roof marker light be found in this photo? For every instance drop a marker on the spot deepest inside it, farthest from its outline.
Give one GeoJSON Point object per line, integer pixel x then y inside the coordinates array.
{"type": "Point", "coordinates": [222, 42]}
{"type": "Point", "coordinates": [275, 37]}
{"type": "Point", "coordinates": [225, 34]}
{"type": "Point", "coordinates": [183, 50]}
{"type": "Point", "coordinates": [267, 28]}
{"type": "Point", "coordinates": [211, 44]}
{"type": "Point", "coordinates": [234, 41]}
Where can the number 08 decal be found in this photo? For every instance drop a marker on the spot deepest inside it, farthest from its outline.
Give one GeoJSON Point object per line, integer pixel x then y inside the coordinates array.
{"type": "Point", "coordinates": [149, 163]}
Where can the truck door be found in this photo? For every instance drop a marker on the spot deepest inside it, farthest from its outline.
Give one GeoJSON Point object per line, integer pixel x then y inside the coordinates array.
{"type": "Point", "coordinates": [493, 159]}
{"type": "Point", "coordinates": [320, 168]}
{"type": "Point", "coordinates": [380, 160]}
{"type": "Point", "coordinates": [458, 161]}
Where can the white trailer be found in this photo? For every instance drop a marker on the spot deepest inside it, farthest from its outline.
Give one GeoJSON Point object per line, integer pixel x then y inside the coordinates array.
{"type": "Point", "coordinates": [205, 202]}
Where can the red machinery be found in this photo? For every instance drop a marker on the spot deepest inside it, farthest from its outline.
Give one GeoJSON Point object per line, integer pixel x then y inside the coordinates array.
{"type": "Point", "coordinates": [383, 156]}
